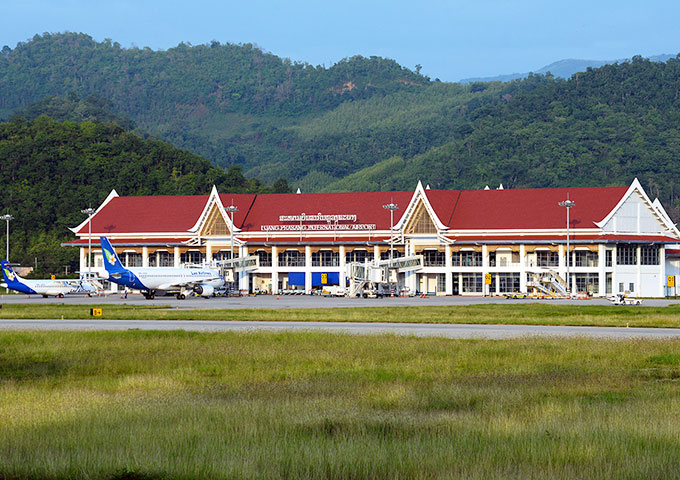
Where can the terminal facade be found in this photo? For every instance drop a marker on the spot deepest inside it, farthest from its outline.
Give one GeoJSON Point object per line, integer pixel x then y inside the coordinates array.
{"type": "Point", "coordinates": [473, 242]}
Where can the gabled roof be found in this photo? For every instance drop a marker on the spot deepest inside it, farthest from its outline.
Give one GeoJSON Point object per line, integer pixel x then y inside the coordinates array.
{"type": "Point", "coordinates": [529, 209]}
{"type": "Point", "coordinates": [367, 206]}
{"type": "Point", "coordinates": [148, 214]}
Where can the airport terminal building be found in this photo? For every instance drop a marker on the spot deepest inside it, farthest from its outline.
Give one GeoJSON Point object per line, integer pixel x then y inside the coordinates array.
{"type": "Point", "coordinates": [472, 242]}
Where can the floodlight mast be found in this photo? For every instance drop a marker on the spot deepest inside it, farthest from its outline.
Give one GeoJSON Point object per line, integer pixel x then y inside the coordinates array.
{"type": "Point", "coordinates": [568, 204]}
{"type": "Point", "coordinates": [391, 207]}
{"type": "Point", "coordinates": [7, 217]}
{"type": "Point", "coordinates": [89, 211]}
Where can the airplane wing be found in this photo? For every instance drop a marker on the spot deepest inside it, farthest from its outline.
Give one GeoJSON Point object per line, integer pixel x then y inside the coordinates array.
{"type": "Point", "coordinates": [174, 286]}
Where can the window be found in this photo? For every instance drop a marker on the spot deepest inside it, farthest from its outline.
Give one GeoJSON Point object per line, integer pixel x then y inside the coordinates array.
{"type": "Point", "coordinates": [386, 254]}
{"type": "Point", "coordinates": [585, 258]}
{"type": "Point", "coordinates": [631, 287]}
{"type": "Point", "coordinates": [472, 282]}
{"type": "Point", "coordinates": [291, 258]}
{"type": "Point", "coordinates": [508, 282]}
{"type": "Point", "coordinates": [265, 258]}
{"type": "Point", "coordinates": [547, 259]}
{"type": "Point", "coordinates": [608, 258]}
{"type": "Point", "coordinates": [620, 287]}
{"type": "Point", "coordinates": [131, 259]}
{"type": "Point", "coordinates": [649, 255]}
{"type": "Point", "coordinates": [325, 258]}
{"type": "Point", "coordinates": [467, 259]}
{"type": "Point", "coordinates": [223, 255]}
{"type": "Point", "coordinates": [434, 258]}
{"type": "Point", "coordinates": [192, 257]}
{"type": "Point", "coordinates": [587, 282]}
{"type": "Point", "coordinates": [359, 256]}
{"type": "Point", "coordinates": [608, 280]}
{"type": "Point", "coordinates": [626, 255]}
{"type": "Point", "coordinates": [441, 282]}
{"type": "Point", "coordinates": [162, 258]}
{"type": "Point", "coordinates": [492, 259]}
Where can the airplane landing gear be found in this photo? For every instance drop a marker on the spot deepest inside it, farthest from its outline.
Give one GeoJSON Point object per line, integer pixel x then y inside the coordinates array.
{"type": "Point", "coordinates": [181, 296]}
{"type": "Point", "coordinates": [150, 295]}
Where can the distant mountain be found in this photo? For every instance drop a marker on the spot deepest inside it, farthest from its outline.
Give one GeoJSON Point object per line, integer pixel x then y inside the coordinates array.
{"type": "Point", "coordinates": [562, 69]}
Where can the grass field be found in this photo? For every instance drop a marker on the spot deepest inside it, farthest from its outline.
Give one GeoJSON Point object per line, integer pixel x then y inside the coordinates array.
{"type": "Point", "coordinates": [528, 314]}
{"type": "Point", "coordinates": [310, 405]}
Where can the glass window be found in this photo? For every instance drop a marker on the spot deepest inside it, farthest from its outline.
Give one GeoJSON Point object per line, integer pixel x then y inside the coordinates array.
{"type": "Point", "coordinates": [192, 257]}
{"type": "Point", "coordinates": [585, 258]}
{"type": "Point", "coordinates": [434, 258]}
{"type": "Point", "coordinates": [441, 282]}
{"type": "Point", "coordinates": [359, 256]}
{"type": "Point", "coordinates": [395, 254]}
{"type": "Point", "coordinates": [508, 282]}
{"type": "Point", "coordinates": [608, 258]}
{"type": "Point", "coordinates": [325, 258]}
{"type": "Point", "coordinates": [132, 259]}
{"type": "Point", "coordinates": [631, 287]}
{"type": "Point", "coordinates": [587, 282]}
{"type": "Point", "coordinates": [471, 282]}
{"type": "Point", "coordinates": [468, 259]}
{"type": "Point", "coordinates": [492, 259]}
{"type": "Point", "coordinates": [626, 255]}
{"type": "Point", "coordinates": [265, 258]}
{"type": "Point", "coordinates": [291, 258]}
{"type": "Point", "coordinates": [162, 258]}
{"type": "Point", "coordinates": [608, 279]}
{"type": "Point", "coordinates": [547, 259]}
{"type": "Point", "coordinates": [649, 255]}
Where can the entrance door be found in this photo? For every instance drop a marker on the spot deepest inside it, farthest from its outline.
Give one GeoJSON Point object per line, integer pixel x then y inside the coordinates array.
{"type": "Point", "coordinates": [455, 290]}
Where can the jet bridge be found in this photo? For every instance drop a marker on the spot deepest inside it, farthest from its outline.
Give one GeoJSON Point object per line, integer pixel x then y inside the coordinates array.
{"type": "Point", "coordinates": [229, 268]}
{"type": "Point", "coordinates": [362, 275]}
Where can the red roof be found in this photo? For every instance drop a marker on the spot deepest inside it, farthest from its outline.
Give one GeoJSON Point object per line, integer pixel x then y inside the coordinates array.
{"type": "Point", "coordinates": [367, 206]}
{"type": "Point", "coordinates": [672, 252]}
{"type": "Point", "coordinates": [521, 209]}
{"type": "Point", "coordinates": [533, 208]}
{"type": "Point", "coordinates": [84, 241]}
{"type": "Point", "coordinates": [560, 238]}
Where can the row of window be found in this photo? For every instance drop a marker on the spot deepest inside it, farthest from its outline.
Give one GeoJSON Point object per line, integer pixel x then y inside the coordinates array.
{"type": "Point", "coordinates": [625, 255]}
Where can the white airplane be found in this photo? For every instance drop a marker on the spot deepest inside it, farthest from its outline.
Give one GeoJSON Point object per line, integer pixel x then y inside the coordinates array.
{"type": "Point", "coordinates": [46, 288]}
{"type": "Point", "coordinates": [149, 280]}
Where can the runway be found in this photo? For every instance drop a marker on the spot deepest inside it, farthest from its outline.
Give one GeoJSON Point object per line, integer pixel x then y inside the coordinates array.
{"type": "Point", "coordinates": [460, 331]}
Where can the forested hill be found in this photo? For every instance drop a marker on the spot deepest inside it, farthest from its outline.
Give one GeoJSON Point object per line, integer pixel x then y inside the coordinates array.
{"type": "Point", "coordinates": [51, 170]}
{"type": "Point", "coordinates": [369, 123]}
{"type": "Point", "coordinates": [605, 126]}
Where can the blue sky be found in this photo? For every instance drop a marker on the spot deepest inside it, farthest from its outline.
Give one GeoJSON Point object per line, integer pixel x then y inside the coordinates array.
{"type": "Point", "coordinates": [450, 39]}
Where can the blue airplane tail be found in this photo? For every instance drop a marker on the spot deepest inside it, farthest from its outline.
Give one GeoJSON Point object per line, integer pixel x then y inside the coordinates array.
{"type": "Point", "coordinates": [11, 279]}
{"type": "Point", "coordinates": [111, 261]}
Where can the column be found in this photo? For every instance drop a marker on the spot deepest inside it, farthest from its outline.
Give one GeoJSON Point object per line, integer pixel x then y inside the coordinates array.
{"type": "Point", "coordinates": [176, 257]}
{"type": "Point", "coordinates": [615, 284]}
{"type": "Point", "coordinates": [562, 268]}
{"type": "Point", "coordinates": [411, 276]}
{"type": "Point", "coordinates": [83, 259]}
{"type": "Point", "coordinates": [638, 276]}
{"type": "Point", "coordinates": [308, 269]}
{"type": "Point", "coordinates": [601, 274]}
{"type": "Point", "coordinates": [208, 253]}
{"type": "Point", "coordinates": [243, 277]}
{"type": "Point", "coordinates": [343, 267]}
{"type": "Point", "coordinates": [449, 266]}
{"type": "Point", "coordinates": [145, 256]}
{"type": "Point", "coordinates": [522, 268]}
{"type": "Point", "coordinates": [275, 270]}
{"type": "Point", "coordinates": [376, 253]}
{"type": "Point", "coordinates": [486, 289]}
{"type": "Point", "coordinates": [662, 272]}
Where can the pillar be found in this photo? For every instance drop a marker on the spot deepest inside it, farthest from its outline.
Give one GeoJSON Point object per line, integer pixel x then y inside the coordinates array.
{"type": "Point", "coordinates": [522, 268]}
{"type": "Point", "coordinates": [145, 256]}
{"type": "Point", "coordinates": [343, 267]}
{"type": "Point", "coordinates": [176, 257]}
{"type": "Point", "coordinates": [275, 270]}
{"type": "Point", "coordinates": [449, 266]}
{"type": "Point", "coordinates": [308, 269]}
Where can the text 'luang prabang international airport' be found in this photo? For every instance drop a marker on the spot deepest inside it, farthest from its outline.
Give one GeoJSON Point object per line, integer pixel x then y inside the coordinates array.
{"type": "Point", "coordinates": [443, 242]}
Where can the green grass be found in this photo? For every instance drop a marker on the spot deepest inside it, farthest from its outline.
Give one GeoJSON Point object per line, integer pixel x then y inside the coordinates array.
{"type": "Point", "coordinates": [510, 313]}
{"type": "Point", "coordinates": [310, 405]}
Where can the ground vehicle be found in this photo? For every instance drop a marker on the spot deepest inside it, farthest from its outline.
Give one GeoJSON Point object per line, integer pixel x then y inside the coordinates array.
{"type": "Point", "coordinates": [333, 291]}
{"type": "Point", "coordinates": [376, 290]}
{"type": "Point", "coordinates": [621, 299]}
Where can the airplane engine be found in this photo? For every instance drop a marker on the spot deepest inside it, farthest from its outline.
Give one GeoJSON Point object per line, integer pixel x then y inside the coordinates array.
{"type": "Point", "coordinates": [204, 290]}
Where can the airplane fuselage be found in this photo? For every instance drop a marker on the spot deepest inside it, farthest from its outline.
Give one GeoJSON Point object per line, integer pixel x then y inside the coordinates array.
{"type": "Point", "coordinates": [165, 278]}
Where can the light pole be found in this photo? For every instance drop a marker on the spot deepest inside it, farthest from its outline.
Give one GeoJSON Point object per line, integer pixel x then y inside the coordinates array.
{"type": "Point", "coordinates": [568, 204]}
{"type": "Point", "coordinates": [232, 209]}
{"type": "Point", "coordinates": [391, 207]}
{"type": "Point", "coordinates": [89, 211]}
{"type": "Point", "coordinates": [7, 217]}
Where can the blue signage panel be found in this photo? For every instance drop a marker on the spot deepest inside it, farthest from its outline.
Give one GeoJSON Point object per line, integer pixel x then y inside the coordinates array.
{"type": "Point", "coordinates": [320, 279]}
{"type": "Point", "coordinates": [296, 278]}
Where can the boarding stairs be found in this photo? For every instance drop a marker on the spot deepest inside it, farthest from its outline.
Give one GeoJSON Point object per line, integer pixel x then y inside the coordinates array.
{"type": "Point", "coordinates": [549, 283]}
